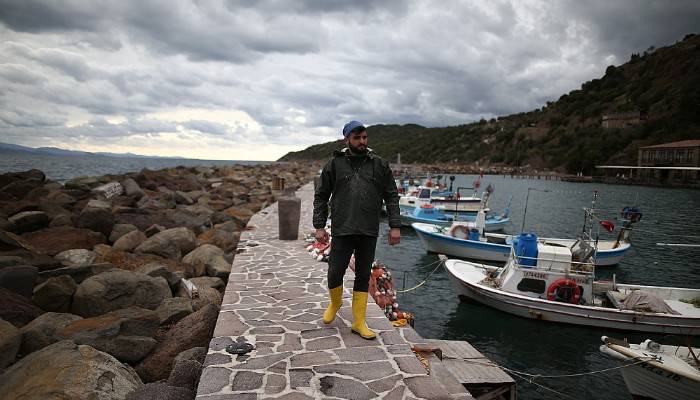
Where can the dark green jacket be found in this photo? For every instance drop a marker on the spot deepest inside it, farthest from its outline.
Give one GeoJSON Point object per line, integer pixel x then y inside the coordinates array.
{"type": "Point", "coordinates": [358, 185]}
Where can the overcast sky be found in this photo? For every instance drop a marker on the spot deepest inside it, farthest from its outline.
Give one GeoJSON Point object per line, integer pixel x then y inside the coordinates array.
{"type": "Point", "coordinates": [252, 80]}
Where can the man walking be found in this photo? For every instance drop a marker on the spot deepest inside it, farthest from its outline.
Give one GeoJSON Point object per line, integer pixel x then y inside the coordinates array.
{"type": "Point", "coordinates": [357, 181]}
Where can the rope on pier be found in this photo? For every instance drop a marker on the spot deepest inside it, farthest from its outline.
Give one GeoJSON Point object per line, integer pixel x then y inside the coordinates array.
{"type": "Point", "coordinates": [490, 363]}
{"type": "Point", "coordinates": [530, 378]}
{"type": "Point", "coordinates": [439, 264]}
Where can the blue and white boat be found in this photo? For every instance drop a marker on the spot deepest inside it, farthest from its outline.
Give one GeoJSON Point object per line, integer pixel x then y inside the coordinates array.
{"type": "Point", "coordinates": [469, 240]}
{"type": "Point", "coordinates": [429, 214]}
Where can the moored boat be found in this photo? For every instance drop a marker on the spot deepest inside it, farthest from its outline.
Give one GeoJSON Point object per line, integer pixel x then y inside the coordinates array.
{"type": "Point", "coordinates": [439, 197]}
{"type": "Point", "coordinates": [554, 282]}
{"type": "Point", "coordinates": [436, 216]}
{"type": "Point", "coordinates": [656, 371]}
{"type": "Point", "coordinates": [470, 242]}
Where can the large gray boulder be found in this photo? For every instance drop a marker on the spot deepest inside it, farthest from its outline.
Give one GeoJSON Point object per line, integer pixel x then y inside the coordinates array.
{"type": "Point", "coordinates": [66, 370]}
{"type": "Point", "coordinates": [132, 189]}
{"type": "Point", "coordinates": [28, 221]}
{"type": "Point", "coordinates": [207, 295]}
{"type": "Point", "coordinates": [195, 330]}
{"type": "Point", "coordinates": [97, 216]}
{"type": "Point", "coordinates": [75, 257]}
{"type": "Point", "coordinates": [10, 340]}
{"type": "Point", "coordinates": [157, 268]}
{"type": "Point", "coordinates": [16, 309]}
{"type": "Point", "coordinates": [130, 241]}
{"type": "Point", "coordinates": [183, 198]}
{"type": "Point", "coordinates": [171, 243]}
{"type": "Point", "coordinates": [19, 279]}
{"type": "Point", "coordinates": [174, 309]}
{"type": "Point", "coordinates": [120, 230]}
{"type": "Point", "coordinates": [43, 330]}
{"type": "Point", "coordinates": [116, 289]}
{"type": "Point", "coordinates": [125, 334]}
{"type": "Point", "coordinates": [55, 294]}
{"type": "Point", "coordinates": [211, 258]}
{"type": "Point", "coordinates": [185, 374]}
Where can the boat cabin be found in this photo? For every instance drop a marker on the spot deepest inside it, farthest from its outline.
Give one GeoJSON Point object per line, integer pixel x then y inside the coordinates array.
{"type": "Point", "coordinates": [549, 271]}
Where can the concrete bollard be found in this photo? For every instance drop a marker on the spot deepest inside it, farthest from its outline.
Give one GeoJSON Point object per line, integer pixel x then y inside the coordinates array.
{"type": "Point", "coordinates": [289, 210]}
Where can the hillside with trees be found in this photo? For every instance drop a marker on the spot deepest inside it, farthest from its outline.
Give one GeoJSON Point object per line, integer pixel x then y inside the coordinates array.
{"type": "Point", "coordinates": [653, 98]}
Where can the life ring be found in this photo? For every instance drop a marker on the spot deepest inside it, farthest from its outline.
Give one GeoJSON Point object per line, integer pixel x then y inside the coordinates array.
{"type": "Point", "coordinates": [571, 294]}
{"type": "Point", "coordinates": [426, 205]}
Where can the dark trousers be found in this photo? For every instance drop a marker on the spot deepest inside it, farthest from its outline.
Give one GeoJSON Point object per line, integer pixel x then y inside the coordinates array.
{"type": "Point", "coordinates": [342, 248]}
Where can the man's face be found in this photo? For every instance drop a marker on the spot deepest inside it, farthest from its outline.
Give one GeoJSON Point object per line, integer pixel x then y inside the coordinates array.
{"type": "Point", "coordinates": [357, 142]}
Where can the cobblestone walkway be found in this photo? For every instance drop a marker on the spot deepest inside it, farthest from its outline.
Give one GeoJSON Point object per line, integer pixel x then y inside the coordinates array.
{"type": "Point", "coordinates": [275, 297]}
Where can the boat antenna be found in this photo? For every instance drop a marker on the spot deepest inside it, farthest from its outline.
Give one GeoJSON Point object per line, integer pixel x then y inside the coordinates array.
{"type": "Point", "coordinates": [527, 198]}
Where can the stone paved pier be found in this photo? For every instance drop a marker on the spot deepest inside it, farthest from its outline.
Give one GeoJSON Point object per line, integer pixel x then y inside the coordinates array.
{"type": "Point", "coordinates": [275, 297]}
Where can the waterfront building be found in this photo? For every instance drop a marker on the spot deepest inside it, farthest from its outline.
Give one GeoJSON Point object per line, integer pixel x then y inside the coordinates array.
{"type": "Point", "coordinates": [676, 161]}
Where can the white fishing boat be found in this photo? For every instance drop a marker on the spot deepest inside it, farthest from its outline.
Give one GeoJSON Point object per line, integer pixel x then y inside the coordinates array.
{"type": "Point", "coordinates": [472, 240]}
{"type": "Point", "coordinates": [556, 283]}
{"type": "Point", "coordinates": [655, 371]}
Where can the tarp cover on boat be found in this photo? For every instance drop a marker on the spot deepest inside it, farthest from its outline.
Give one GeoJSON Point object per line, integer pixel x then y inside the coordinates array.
{"type": "Point", "coordinates": [640, 300]}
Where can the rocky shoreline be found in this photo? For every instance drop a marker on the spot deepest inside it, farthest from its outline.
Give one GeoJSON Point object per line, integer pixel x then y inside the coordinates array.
{"type": "Point", "coordinates": [110, 286]}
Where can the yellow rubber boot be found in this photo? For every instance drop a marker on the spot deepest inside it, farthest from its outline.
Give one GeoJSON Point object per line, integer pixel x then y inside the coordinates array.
{"type": "Point", "coordinates": [336, 295]}
{"type": "Point", "coordinates": [359, 309]}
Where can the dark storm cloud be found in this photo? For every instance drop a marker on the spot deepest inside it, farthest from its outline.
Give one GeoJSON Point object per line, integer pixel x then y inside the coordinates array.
{"type": "Point", "coordinates": [42, 16]}
{"type": "Point", "coordinates": [623, 28]}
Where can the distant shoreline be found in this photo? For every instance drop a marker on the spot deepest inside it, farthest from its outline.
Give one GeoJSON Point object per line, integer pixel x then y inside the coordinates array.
{"type": "Point", "coordinates": [62, 168]}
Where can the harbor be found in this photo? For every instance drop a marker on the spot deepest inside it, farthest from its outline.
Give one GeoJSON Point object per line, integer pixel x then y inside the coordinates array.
{"type": "Point", "coordinates": [542, 348]}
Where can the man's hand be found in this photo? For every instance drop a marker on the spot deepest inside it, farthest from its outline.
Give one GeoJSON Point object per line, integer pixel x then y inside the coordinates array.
{"type": "Point", "coordinates": [394, 236]}
{"type": "Point", "coordinates": [321, 235]}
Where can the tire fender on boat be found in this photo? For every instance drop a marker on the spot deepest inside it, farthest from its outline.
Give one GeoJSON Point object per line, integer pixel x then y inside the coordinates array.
{"type": "Point", "coordinates": [564, 282]}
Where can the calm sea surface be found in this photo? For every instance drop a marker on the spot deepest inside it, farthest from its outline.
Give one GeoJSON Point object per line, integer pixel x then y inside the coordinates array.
{"type": "Point", "coordinates": [62, 168]}
{"type": "Point", "coordinates": [545, 348]}
{"type": "Point", "coordinates": [535, 347]}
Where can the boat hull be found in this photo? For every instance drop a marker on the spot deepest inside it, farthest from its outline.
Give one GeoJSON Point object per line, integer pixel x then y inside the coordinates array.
{"type": "Point", "coordinates": [553, 311]}
{"type": "Point", "coordinates": [649, 381]}
{"type": "Point", "coordinates": [443, 244]}
{"type": "Point", "coordinates": [490, 225]}
{"type": "Point", "coordinates": [662, 377]}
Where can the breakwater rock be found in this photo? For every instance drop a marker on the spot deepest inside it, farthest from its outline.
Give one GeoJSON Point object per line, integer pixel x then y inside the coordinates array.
{"type": "Point", "coordinates": [121, 275]}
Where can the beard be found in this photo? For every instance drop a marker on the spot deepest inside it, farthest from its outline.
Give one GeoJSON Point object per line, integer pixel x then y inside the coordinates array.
{"type": "Point", "coordinates": [357, 150]}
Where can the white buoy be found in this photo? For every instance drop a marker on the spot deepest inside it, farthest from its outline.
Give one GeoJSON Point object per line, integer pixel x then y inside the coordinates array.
{"type": "Point", "coordinates": [319, 258]}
